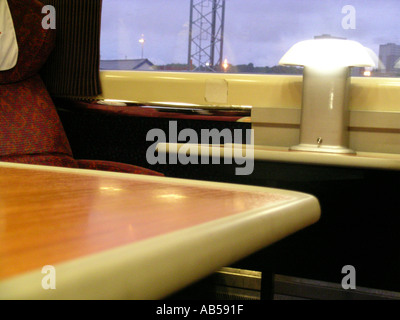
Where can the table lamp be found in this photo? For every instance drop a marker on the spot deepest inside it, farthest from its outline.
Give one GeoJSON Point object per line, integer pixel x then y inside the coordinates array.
{"type": "Point", "coordinates": [326, 82]}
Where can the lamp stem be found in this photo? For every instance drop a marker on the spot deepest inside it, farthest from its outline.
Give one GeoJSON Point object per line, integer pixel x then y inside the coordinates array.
{"type": "Point", "coordinates": [325, 114]}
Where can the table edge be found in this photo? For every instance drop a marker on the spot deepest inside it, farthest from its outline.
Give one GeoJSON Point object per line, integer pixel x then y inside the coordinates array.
{"type": "Point", "coordinates": [105, 275]}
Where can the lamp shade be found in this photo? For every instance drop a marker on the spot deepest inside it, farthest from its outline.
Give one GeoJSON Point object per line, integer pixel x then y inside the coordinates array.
{"type": "Point", "coordinates": [328, 53]}
{"type": "Point", "coordinates": [397, 64]}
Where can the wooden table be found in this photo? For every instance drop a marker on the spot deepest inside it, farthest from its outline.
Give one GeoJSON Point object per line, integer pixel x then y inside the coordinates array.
{"type": "Point", "coordinates": [123, 236]}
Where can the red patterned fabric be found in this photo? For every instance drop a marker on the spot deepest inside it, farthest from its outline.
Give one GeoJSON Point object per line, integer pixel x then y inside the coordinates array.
{"type": "Point", "coordinates": [29, 123]}
{"type": "Point", "coordinates": [30, 129]}
{"type": "Point", "coordinates": [34, 43]}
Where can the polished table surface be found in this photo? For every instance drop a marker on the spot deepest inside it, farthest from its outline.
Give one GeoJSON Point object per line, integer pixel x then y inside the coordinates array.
{"type": "Point", "coordinates": [124, 236]}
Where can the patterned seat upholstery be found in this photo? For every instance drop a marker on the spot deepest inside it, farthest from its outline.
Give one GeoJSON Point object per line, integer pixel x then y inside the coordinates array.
{"type": "Point", "coordinates": [30, 129]}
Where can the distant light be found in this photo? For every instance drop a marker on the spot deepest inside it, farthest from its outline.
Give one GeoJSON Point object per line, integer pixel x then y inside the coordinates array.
{"type": "Point", "coordinates": [367, 73]}
{"type": "Point", "coordinates": [225, 65]}
{"type": "Point", "coordinates": [141, 40]}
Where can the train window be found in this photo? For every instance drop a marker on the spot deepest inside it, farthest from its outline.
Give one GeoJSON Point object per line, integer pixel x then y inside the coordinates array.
{"type": "Point", "coordinates": [237, 36]}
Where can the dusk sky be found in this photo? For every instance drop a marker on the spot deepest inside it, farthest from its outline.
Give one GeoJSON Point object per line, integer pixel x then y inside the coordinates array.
{"type": "Point", "coordinates": [257, 31]}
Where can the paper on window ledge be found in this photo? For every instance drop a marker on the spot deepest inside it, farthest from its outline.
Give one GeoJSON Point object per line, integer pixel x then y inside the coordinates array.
{"type": "Point", "coordinates": [216, 91]}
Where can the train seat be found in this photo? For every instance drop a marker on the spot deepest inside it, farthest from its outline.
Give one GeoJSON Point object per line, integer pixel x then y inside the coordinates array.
{"type": "Point", "coordinates": [30, 129]}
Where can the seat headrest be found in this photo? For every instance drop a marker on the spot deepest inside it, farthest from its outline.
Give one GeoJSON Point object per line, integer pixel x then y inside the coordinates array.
{"type": "Point", "coordinates": [23, 59]}
{"type": "Point", "coordinates": [8, 39]}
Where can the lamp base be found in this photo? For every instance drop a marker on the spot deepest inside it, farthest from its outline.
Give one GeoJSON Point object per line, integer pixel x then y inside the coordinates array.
{"type": "Point", "coordinates": [319, 148]}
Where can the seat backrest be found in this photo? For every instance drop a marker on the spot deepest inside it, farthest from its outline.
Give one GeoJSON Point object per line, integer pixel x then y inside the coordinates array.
{"type": "Point", "coordinates": [30, 129]}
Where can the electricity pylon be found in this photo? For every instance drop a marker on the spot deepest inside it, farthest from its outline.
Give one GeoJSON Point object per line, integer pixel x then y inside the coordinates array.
{"type": "Point", "coordinates": [206, 35]}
